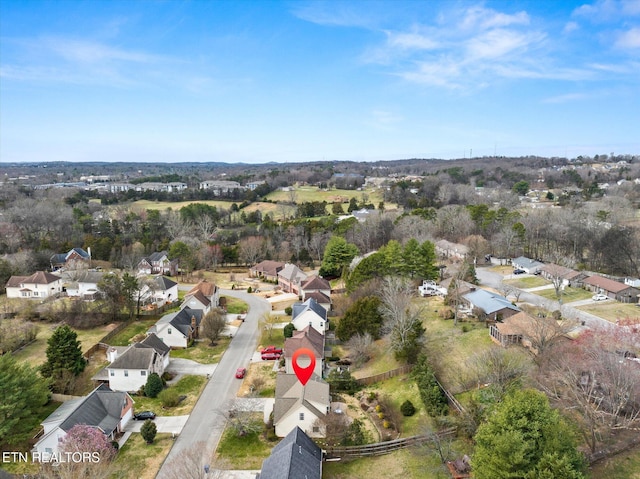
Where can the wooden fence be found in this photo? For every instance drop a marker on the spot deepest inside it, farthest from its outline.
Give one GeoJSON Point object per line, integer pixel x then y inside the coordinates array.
{"type": "Point", "coordinates": [381, 448]}
{"type": "Point", "coordinates": [382, 376]}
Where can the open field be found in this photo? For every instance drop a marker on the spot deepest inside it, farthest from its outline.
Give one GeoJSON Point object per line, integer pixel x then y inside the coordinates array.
{"type": "Point", "coordinates": [526, 282]}
{"type": "Point", "coordinates": [190, 386]}
{"type": "Point", "coordinates": [568, 295]}
{"type": "Point", "coordinates": [135, 328]}
{"type": "Point", "coordinates": [202, 353]}
{"type": "Point", "coordinates": [246, 452]}
{"type": "Point", "coordinates": [142, 205]}
{"type": "Point", "coordinates": [139, 459]}
{"type": "Point", "coordinates": [612, 310]}
{"type": "Point", "coordinates": [313, 193]}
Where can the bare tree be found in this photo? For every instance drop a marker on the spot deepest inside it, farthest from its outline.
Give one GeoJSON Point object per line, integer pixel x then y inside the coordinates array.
{"type": "Point", "coordinates": [360, 348]}
{"type": "Point", "coordinates": [195, 462]}
{"type": "Point", "coordinates": [206, 225]}
{"type": "Point", "coordinates": [213, 324]}
{"type": "Point", "coordinates": [268, 322]}
{"type": "Point", "coordinates": [250, 249]}
{"type": "Point", "coordinates": [317, 243]}
{"type": "Point", "coordinates": [244, 422]}
{"type": "Point", "coordinates": [499, 369]}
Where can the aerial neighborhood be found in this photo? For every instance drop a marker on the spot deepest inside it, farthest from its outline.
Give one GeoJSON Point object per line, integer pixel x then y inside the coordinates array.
{"type": "Point", "coordinates": [434, 308]}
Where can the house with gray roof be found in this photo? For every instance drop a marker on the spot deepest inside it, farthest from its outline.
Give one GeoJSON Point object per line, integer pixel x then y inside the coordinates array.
{"type": "Point", "coordinates": [81, 284]}
{"type": "Point", "coordinates": [295, 457]}
{"type": "Point", "coordinates": [490, 304]}
{"type": "Point", "coordinates": [309, 313]}
{"type": "Point", "coordinates": [177, 330]}
{"type": "Point", "coordinates": [61, 260]}
{"type": "Point", "coordinates": [130, 367]}
{"type": "Point", "coordinates": [528, 265]}
{"type": "Point", "coordinates": [300, 406]}
{"type": "Point", "coordinates": [290, 278]}
{"type": "Point", "coordinates": [267, 270]}
{"type": "Point", "coordinates": [158, 263]}
{"type": "Point", "coordinates": [107, 410]}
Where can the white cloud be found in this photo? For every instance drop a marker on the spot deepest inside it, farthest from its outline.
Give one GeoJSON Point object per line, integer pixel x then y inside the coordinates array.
{"type": "Point", "coordinates": [411, 41]}
{"type": "Point", "coordinates": [629, 39]}
{"type": "Point", "coordinates": [499, 43]}
{"type": "Point", "coordinates": [484, 18]}
{"type": "Point", "coordinates": [571, 27]}
{"type": "Point", "coordinates": [569, 97]}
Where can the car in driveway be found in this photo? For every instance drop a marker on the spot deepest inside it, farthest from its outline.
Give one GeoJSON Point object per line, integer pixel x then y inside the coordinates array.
{"type": "Point", "coordinates": [519, 271]}
{"type": "Point", "coordinates": [270, 355]}
{"type": "Point", "coordinates": [599, 297]}
{"type": "Point", "coordinates": [144, 415]}
{"type": "Point", "coordinates": [241, 372]}
{"type": "Point", "coordinates": [271, 349]}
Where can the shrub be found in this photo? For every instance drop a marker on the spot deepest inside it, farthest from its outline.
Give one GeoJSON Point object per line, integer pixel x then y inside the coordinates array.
{"type": "Point", "coordinates": [386, 424]}
{"type": "Point", "coordinates": [407, 408]}
{"type": "Point", "coordinates": [378, 408]}
{"type": "Point", "coordinates": [148, 431]}
{"type": "Point", "coordinates": [288, 310]}
{"type": "Point", "coordinates": [466, 328]}
{"type": "Point", "coordinates": [249, 290]}
{"type": "Point", "coordinates": [169, 397]}
{"type": "Point", "coordinates": [289, 330]}
{"type": "Point", "coordinates": [154, 385]}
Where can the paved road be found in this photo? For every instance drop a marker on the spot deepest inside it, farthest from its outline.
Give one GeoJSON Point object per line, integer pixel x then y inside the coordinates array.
{"type": "Point", "coordinates": [207, 421]}
{"type": "Point", "coordinates": [493, 280]}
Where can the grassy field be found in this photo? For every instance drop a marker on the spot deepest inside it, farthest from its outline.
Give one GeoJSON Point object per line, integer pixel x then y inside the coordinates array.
{"type": "Point", "coordinates": [125, 337]}
{"type": "Point", "coordinates": [190, 386]}
{"type": "Point", "coordinates": [202, 353]}
{"type": "Point", "coordinates": [622, 466]}
{"type": "Point", "coordinates": [568, 295]}
{"type": "Point", "coordinates": [142, 205]}
{"type": "Point", "coordinates": [313, 193]}
{"type": "Point", "coordinates": [139, 459]}
{"type": "Point", "coordinates": [246, 452]}
{"type": "Point", "coordinates": [612, 310]}
{"type": "Point", "coordinates": [383, 360]}
{"type": "Point", "coordinates": [526, 282]}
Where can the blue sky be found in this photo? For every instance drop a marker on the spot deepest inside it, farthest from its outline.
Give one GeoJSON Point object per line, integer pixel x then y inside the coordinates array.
{"type": "Point", "coordinates": [259, 81]}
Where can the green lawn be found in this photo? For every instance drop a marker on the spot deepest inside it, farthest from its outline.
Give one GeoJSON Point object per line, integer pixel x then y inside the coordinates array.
{"type": "Point", "coordinates": [246, 452]}
{"type": "Point", "coordinates": [622, 466]}
{"type": "Point", "coordinates": [139, 459]}
{"type": "Point", "coordinates": [313, 193]}
{"type": "Point", "coordinates": [612, 310]}
{"type": "Point", "coordinates": [190, 386]}
{"type": "Point", "coordinates": [125, 337]}
{"type": "Point", "coordinates": [236, 306]}
{"type": "Point", "coordinates": [202, 353]}
{"type": "Point", "coordinates": [568, 295]}
{"type": "Point", "coordinates": [526, 282]}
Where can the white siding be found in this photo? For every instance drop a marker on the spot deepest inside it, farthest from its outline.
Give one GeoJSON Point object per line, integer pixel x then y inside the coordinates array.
{"type": "Point", "coordinates": [309, 317]}
{"type": "Point", "coordinates": [134, 381]}
{"type": "Point", "coordinates": [291, 420]}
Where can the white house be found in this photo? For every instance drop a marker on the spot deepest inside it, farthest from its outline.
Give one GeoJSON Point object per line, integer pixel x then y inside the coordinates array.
{"type": "Point", "coordinates": [310, 313]}
{"type": "Point", "coordinates": [319, 289]}
{"type": "Point", "coordinates": [529, 266]}
{"type": "Point", "coordinates": [40, 285]}
{"type": "Point", "coordinates": [177, 330]}
{"type": "Point", "coordinates": [81, 283]}
{"type": "Point", "coordinates": [307, 338]}
{"type": "Point", "coordinates": [160, 291]}
{"type": "Point", "coordinates": [103, 408]}
{"type": "Point", "coordinates": [197, 300]}
{"type": "Point", "coordinates": [209, 290]}
{"type": "Point", "coordinates": [301, 406]}
{"type": "Point", "coordinates": [130, 369]}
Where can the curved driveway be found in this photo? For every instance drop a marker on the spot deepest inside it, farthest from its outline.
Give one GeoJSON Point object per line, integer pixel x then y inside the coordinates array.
{"type": "Point", "coordinates": [207, 420]}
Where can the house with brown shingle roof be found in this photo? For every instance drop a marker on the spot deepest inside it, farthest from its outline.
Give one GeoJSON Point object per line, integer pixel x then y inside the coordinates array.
{"type": "Point", "coordinates": [267, 270]}
{"type": "Point", "coordinates": [301, 406]}
{"type": "Point", "coordinates": [567, 276]}
{"type": "Point", "coordinates": [319, 289]}
{"type": "Point", "coordinates": [622, 292]}
{"type": "Point", "coordinates": [40, 285]}
{"type": "Point", "coordinates": [209, 290]}
{"type": "Point", "coordinates": [307, 338]}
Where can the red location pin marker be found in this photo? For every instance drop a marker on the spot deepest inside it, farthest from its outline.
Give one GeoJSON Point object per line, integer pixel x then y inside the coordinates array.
{"type": "Point", "coordinates": [303, 373]}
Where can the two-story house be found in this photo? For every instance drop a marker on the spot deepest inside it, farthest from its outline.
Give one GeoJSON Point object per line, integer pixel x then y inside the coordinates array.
{"type": "Point", "coordinates": [40, 285]}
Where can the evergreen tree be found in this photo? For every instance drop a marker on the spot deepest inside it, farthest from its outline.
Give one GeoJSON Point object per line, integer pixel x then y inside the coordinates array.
{"type": "Point", "coordinates": [362, 317]}
{"type": "Point", "coordinates": [148, 431]}
{"type": "Point", "coordinates": [153, 386]}
{"type": "Point", "coordinates": [337, 256]}
{"type": "Point", "coordinates": [433, 397]}
{"type": "Point", "coordinates": [289, 330]}
{"type": "Point", "coordinates": [64, 357]}
{"type": "Point", "coordinates": [525, 438]}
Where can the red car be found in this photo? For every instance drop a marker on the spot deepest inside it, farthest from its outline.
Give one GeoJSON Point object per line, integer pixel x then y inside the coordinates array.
{"type": "Point", "coordinates": [240, 372]}
{"type": "Point", "coordinates": [271, 355]}
{"type": "Point", "coordinates": [271, 349]}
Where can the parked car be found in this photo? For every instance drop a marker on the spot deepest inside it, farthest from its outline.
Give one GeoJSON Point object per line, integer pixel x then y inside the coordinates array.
{"type": "Point", "coordinates": [599, 297]}
{"type": "Point", "coordinates": [271, 349]}
{"type": "Point", "coordinates": [270, 355]}
{"type": "Point", "coordinates": [241, 372]}
{"type": "Point", "coordinates": [519, 271]}
{"type": "Point", "coordinates": [144, 415]}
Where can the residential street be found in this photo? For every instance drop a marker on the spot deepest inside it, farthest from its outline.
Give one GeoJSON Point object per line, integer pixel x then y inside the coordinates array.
{"type": "Point", "coordinates": [207, 420]}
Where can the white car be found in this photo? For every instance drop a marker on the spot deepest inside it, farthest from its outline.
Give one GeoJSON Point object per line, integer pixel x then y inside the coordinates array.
{"type": "Point", "coordinates": [600, 297]}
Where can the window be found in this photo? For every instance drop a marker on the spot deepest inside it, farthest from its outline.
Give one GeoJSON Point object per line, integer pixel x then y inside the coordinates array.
{"type": "Point", "coordinates": [316, 429]}
{"type": "Point", "coordinates": [143, 373]}
{"type": "Point", "coordinates": [112, 373]}
{"type": "Point", "coordinates": [126, 374]}
{"type": "Point", "coordinates": [302, 416]}
{"type": "Point", "coordinates": [168, 330]}
{"type": "Point", "coordinates": [48, 450]}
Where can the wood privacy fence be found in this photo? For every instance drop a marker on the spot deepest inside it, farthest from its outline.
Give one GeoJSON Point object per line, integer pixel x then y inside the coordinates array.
{"type": "Point", "coordinates": [382, 376]}
{"type": "Point", "coordinates": [381, 448]}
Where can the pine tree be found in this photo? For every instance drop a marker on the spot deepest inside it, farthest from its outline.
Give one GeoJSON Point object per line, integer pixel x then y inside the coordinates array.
{"type": "Point", "coordinates": [148, 431]}
{"type": "Point", "coordinates": [64, 357]}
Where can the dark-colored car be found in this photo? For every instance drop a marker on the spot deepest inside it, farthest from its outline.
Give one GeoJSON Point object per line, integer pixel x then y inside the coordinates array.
{"type": "Point", "coordinates": [519, 271]}
{"type": "Point", "coordinates": [240, 372]}
{"type": "Point", "coordinates": [144, 415]}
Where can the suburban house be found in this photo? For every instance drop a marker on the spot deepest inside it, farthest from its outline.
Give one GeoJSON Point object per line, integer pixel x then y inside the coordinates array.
{"type": "Point", "coordinates": [197, 300]}
{"type": "Point", "coordinates": [290, 279]}
{"type": "Point", "coordinates": [61, 260]}
{"type": "Point", "coordinates": [209, 290]}
{"type": "Point", "coordinates": [131, 366]}
{"type": "Point", "coordinates": [529, 266]}
{"type": "Point", "coordinates": [309, 313]}
{"type": "Point", "coordinates": [177, 330]}
{"type": "Point", "coordinates": [447, 249]}
{"type": "Point", "coordinates": [267, 270]}
{"type": "Point", "coordinates": [513, 330]}
{"type": "Point", "coordinates": [307, 338]}
{"type": "Point", "coordinates": [635, 282]}
{"type": "Point", "coordinates": [493, 305]}
{"type": "Point", "coordinates": [159, 291]}
{"type": "Point", "coordinates": [107, 410]}
{"type": "Point", "coordinates": [567, 276]}
{"type": "Point", "coordinates": [158, 263]}
{"type": "Point", "coordinates": [40, 285]}
{"type": "Point", "coordinates": [300, 406]}
{"type": "Point", "coordinates": [296, 456]}
{"type": "Point", "coordinates": [622, 292]}
{"type": "Point", "coordinates": [81, 283]}
{"type": "Point", "coordinates": [319, 289]}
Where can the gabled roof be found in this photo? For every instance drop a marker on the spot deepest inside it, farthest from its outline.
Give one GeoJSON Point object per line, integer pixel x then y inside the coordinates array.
{"type": "Point", "coordinates": [163, 283]}
{"type": "Point", "coordinates": [269, 267]}
{"type": "Point", "coordinates": [558, 271]}
{"type": "Point", "coordinates": [489, 302]}
{"type": "Point", "coordinates": [156, 256]}
{"type": "Point", "coordinates": [182, 320]}
{"type": "Point", "coordinates": [92, 277]}
{"type": "Point", "coordinates": [295, 457]}
{"type": "Point", "coordinates": [141, 355]}
{"type": "Point", "coordinates": [309, 305]}
{"type": "Point", "coordinates": [307, 338]}
{"type": "Point", "coordinates": [525, 262]}
{"type": "Point", "coordinates": [39, 277]}
{"type": "Point", "coordinates": [156, 343]}
{"type": "Point", "coordinates": [292, 273]}
{"type": "Point", "coordinates": [316, 283]}
{"type": "Point", "coordinates": [319, 297]}
{"type": "Point", "coordinates": [606, 284]}
{"type": "Point", "coordinates": [205, 287]}
{"type": "Point", "coordinates": [101, 408]}
{"type": "Point", "coordinates": [205, 301]}
{"type": "Point", "coordinates": [519, 323]}
{"type": "Point", "coordinates": [290, 394]}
